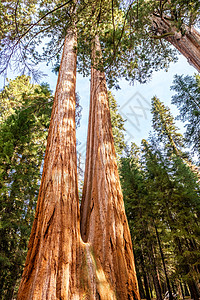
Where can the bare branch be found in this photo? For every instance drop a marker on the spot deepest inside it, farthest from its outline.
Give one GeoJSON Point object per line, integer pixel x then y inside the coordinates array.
{"type": "Point", "coordinates": [123, 28]}
{"type": "Point", "coordinates": [16, 16]}
{"type": "Point", "coordinates": [43, 17]}
{"type": "Point", "coordinates": [113, 22]}
{"type": "Point", "coordinates": [29, 29]}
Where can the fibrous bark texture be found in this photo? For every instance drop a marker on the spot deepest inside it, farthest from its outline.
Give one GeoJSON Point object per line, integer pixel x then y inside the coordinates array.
{"type": "Point", "coordinates": [103, 221]}
{"type": "Point", "coordinates": [50, 268]}
{"type": "Point", "coordinates": [187, 42]}
{"type": "Point", "coordinates": [60, 265]}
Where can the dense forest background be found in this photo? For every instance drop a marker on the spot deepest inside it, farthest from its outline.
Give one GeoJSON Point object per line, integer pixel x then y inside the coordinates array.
{"type": "Point", "coordinates": [159, 178]}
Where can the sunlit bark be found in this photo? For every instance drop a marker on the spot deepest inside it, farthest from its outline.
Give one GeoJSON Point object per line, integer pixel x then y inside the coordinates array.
{"type": "Point", "coordinates": [187, 42]}
{"type": "Point", "coordinates": [59, 264]}
{"type": "Point", "coordinates": [103, 220]}
{"type": "Point", "coordinates": [50, 269]}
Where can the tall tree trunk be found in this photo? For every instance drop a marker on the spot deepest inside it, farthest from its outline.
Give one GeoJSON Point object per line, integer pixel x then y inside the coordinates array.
{"type": "Point", "coordinates": [182, 291]}
{"type": "Point", "coordinates": [187, 293]}
{"type": "Point", "coordinates": [163, 262]}
{"type": "Point", "coordinates": [139, 278]}
{"type": "Point", "coordinates": [59, 264]}
{"type": "Point", "coordinates": [187, 42]}
{"type": "Point", "coordinates": [50, 268]}
{"type": "Point", "coordinates": [103, 220]}
{"type": "Point", "coordinates": [154, 271]}
{"type": "Point", "coordinates": [140, 285]}
{"type": "Point", "coordinates": [144, 276]}
{"type": "Point", "coordinates": [150, 287]}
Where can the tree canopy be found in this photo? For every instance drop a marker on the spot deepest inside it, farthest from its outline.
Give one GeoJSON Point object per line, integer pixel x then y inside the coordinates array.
{"type": "Point", "coordinates": [161, 191]}
{"type": "Point", "coordinates": [130, 44]}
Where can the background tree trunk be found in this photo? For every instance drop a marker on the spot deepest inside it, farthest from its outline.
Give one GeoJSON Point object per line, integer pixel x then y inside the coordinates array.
{"type": "Point", "coordinates": [146, 285]}
{"type": "Point", "coordinates": [103, 220]}
{"type": "Point", "coordinates": [164, 264]}
{"type": "Point", "coordinates": [187, 42]}
{"type": "Point", "coordinates": [50, 269]}
{"type": "Point", "coordinates": [154, 273]}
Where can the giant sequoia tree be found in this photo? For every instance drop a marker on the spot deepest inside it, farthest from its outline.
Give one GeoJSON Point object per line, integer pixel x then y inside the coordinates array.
{"type": "Point", "coordinates": [50, 269]}
{"type": "Point", "coordinates": [96, 260]}
{"type": "Point", "coordinates": [103, 220]}
{"type": "Point", "coordinates": [59, 264]}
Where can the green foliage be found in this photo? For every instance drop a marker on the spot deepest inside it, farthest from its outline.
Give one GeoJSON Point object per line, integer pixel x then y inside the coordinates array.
{"type": "Point", "coordinates": [164, 125]}
{"type": "Point", "coordinates": [162, 193]}
{"type": "Point", "coordinates": [11, 98]}
{"type": "Point", "coordinates": [124, 31]}
{"type": "Point", "coordinates": [187, 99]}
{"type": "Point", "coordinates": [25, 119]}
{"type": "Point", "coordinates": [182, 12]}
{"type": "Point", "coordinates": [117, 123]}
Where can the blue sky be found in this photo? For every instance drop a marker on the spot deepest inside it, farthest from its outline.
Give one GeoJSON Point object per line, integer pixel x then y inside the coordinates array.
{"type": "Point", "coordinates": [134, 101]}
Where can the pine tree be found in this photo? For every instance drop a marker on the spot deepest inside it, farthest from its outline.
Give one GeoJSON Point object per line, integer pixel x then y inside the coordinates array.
{"type": "Point", "coordinates": [164, 125]}
{"type": "Point", "coordinates": [139, 212]}
{"type": "Point", "coordinates": [187, 100]}
{"type": "Point", "coordinates": [25, 113]}
{"type": "Point", "coordinates": [161, 196]}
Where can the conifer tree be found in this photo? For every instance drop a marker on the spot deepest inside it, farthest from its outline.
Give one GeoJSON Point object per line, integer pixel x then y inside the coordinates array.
{"type": "Point", "coordinates": [164, 125]}
{"type": "Point", "coordinates": [103, 221]}
{"type": "Point", "coordinates": [170, 190]}
{"type": "Point", "coordinates": [117, 123]}
{"type": "Point", "coordinates": [161, 196]}
{"type": "Point", "coordinates": [25, 112]}
{"type": "Point", "coordinates": [187, 99]}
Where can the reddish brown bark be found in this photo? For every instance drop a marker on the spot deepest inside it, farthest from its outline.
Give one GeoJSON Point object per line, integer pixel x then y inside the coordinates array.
{"type": "Point", "coordinates": [187, 42]}
{"type": "Point", "coordinates": [59, 264]}
{"type": "Point", "coordinates": [103, 220]}
{"type": "Point", "coordinates": [50, 268]}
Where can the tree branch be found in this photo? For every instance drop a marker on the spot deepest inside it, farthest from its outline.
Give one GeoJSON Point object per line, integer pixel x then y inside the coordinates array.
{"type": "Point", "coordinates": [43, 17]}
{"type": "Point", "coordinates": [164, 35]}
{"type": "Point", "coordinates": [16, 16]}
{"type": "Point", "coordinates": [113, 22]}
{"type": "Point", "coordinates": [124, 25]}
{"type": "Point", "coordinates": [29, 29]}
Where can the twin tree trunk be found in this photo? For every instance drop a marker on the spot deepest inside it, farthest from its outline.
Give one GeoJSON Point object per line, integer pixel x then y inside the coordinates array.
{"type": "Point", "coordinates": [187, 42]}
{"type": "Point", "coordinates": [62, 262]}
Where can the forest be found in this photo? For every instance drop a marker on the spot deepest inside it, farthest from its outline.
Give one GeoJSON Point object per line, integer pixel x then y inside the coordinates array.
{"type": "Point", "coordinates": [129, 228]}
